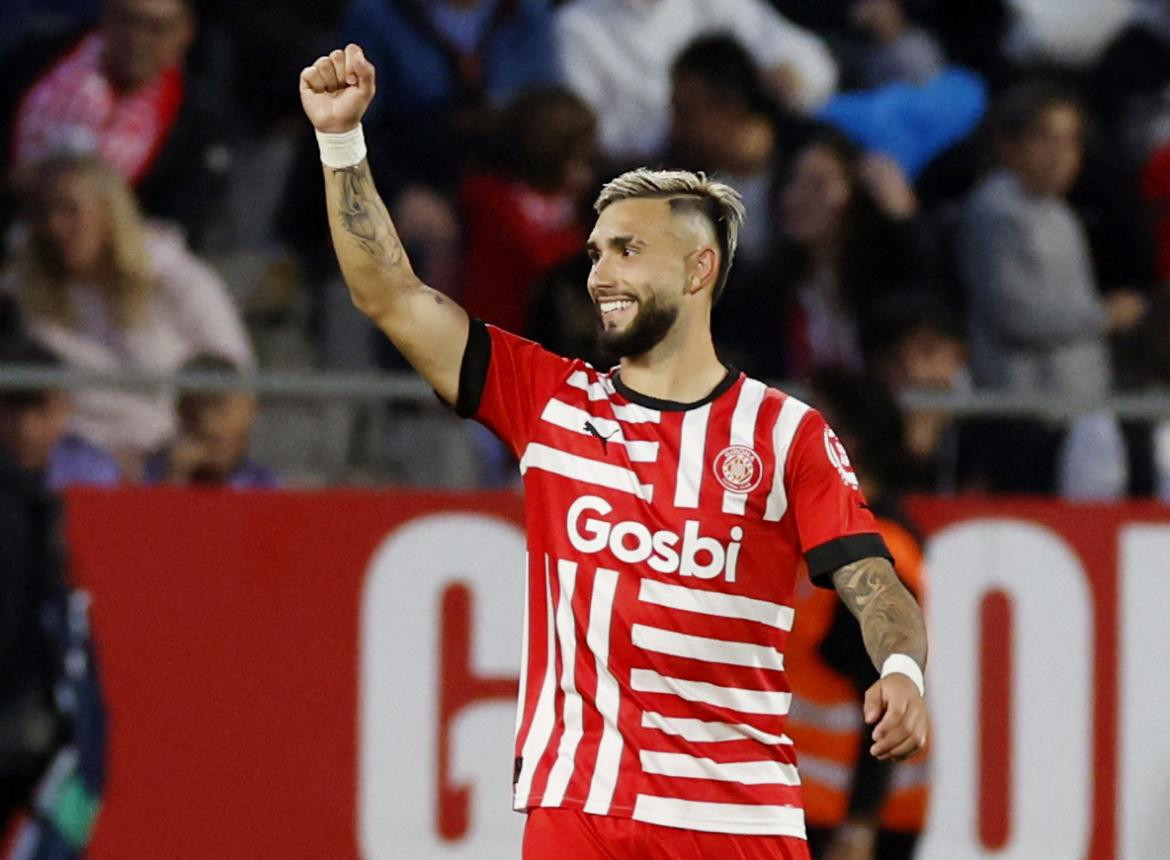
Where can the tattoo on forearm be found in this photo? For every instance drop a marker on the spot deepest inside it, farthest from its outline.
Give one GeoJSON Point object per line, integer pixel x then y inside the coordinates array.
{"type": "Point", "coordinates": [891, 621]}
{"type": "Point", "coordinates": [364, 216]}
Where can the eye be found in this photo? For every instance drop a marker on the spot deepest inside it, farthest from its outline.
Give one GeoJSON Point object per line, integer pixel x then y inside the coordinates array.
{"type": "Point", "coordinates": [628, 251]}
{"type": "Point", "coordinates": [593, 257]}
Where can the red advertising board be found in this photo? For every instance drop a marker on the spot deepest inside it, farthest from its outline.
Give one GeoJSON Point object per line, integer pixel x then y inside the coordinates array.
{"type": "Point", "coordinates": [330, 674]}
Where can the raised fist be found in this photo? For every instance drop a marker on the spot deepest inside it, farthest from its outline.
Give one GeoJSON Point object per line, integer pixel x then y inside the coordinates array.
{"type": "Point", "coordinates": [337, 89]}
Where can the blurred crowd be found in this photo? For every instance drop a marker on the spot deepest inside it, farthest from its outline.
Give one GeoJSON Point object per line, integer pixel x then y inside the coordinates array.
{"type": "Point", "coordinates": [956, 196]}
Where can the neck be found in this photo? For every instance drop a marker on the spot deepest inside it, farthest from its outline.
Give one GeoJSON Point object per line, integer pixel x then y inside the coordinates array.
{"type": "Point", "coordinates": [682, 368]}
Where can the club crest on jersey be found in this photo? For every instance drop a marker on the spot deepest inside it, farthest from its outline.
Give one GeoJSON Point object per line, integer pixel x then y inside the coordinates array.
{"type": "Point", "coordinates": [837, 456]}
{"type": "Point", "coordinates": [738, 468]}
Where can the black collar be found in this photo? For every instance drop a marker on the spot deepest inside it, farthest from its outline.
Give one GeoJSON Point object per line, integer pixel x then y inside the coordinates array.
{"type": "Point", "coordinates": [729, 380]}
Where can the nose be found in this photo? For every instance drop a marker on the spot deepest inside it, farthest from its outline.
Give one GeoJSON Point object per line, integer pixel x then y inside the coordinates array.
{"type": "Point", "coordinates": [600, 274]}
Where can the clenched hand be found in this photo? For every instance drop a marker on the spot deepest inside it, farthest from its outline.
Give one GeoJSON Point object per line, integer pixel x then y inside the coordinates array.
{"type": "Point", "coordinates": [336, 90]}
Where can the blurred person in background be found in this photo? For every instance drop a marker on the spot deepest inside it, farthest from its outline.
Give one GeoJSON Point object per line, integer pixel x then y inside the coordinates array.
{"type": "Point", "coordinates": [856, 807]}
{"type": "Point", "coordinates": [724, 122]}
{"type": "Point", "coordinates": [920, 347]}
{"type": "Point", "coordinates": [52, 720]}
{"type": "Point", "coordinates": [1129, 84]}
{"type": "Point", "coordinates": [34, 427]}
{"type": "Point", "coordinates": [617, 55]}
{"type": "Point", "coordinates": [215, 429]}
{"type": "Point", "coordinates": [1037, 320]}
{"type": "Point", "coordinates": [108, 292]}
{"type": "Point", "coordinates": [889, 46]}
{"type": "Point", "coordinates": [123, 90]}
{"type": "Point", "coordinates": [524, 217]}
{"type": "Point", "coordinates": [847, 242]}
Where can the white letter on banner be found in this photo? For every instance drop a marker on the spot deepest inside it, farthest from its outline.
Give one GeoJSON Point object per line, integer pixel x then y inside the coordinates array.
{"type": "Point", "coordinates": [1051, 814]}
{"type": "Point", "coordinates": [1144, 775]}
{"type": "Point", "coordinates": [399, 713]}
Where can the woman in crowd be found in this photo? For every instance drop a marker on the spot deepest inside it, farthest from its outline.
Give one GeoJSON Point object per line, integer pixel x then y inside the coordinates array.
{"type": "Point", "coordinates": [847, 241]}
{"type": "Point", "coordinates": [108, 292]}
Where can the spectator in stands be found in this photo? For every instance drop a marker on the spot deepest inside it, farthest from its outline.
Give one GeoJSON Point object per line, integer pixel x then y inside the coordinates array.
{"type": "Point", "coordinates": [1129, 83]}
{"type": "Point", "coordinates": [107, 292]}
{"type": "Point", "coordinates": [34, 427]}
{"type": "Point", "coordinates": [617, 56]}
{"type": "Point", "coordinates": [919, 347]}
{"type": "Point", "coordinates": [122, 90]}
{"type": "Point", "coordinates": [891, 47]}
{"type": "Point", "coordinates": [215, 429]}
{"type": "Point", "coordinates": [524, 216]}
{"type": "Point", "coordinates": [1037, 321]}
{"type": "Point", "coordinates": [847, 243]}
{"type": "Point", "coordinates": [725, 122]}
{"type": "Point", "coordinates": [52, 720]}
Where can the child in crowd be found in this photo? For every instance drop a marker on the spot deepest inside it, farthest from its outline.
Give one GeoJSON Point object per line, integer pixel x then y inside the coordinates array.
{"type": "Point", "coordinates": [215, 429]}
{"type": "Point", "coordinates": [34, 427]}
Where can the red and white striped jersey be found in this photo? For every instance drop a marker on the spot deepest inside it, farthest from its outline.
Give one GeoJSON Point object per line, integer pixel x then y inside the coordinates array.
{"type": "Point", "coordinates": [664, 542]}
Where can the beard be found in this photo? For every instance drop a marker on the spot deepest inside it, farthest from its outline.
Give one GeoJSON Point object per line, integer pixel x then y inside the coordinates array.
{"type": "Point", "coordinates": [651, 324]}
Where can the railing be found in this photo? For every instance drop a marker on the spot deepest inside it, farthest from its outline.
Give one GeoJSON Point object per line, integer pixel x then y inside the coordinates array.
{"type": "Point", "coordinates": [328, 427]}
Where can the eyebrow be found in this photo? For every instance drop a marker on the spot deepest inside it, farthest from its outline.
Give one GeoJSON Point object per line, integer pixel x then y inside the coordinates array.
{"type": "Point", "coordinates": [614, 242]}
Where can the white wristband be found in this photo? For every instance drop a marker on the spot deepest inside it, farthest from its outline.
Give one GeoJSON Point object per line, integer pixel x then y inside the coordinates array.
{"type": "Point", "coordinates": [342, 150]}
{"type": "Point", "coordinates": [905, 664]}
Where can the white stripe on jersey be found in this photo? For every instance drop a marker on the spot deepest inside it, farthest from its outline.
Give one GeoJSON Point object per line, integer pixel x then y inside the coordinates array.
{"type": "Point", "coordinates": [770, 702]}
{"type": "Point", "coordinates": [706, 649]}
{"type": "Point", "coordinates": [692, 441]}
{"type": "Point", "coordinates": [743, 432]}
{"type": "Point", "coordinates": [720, 817]}
{"type": "Point", "coordinates": [567, 417]}
{"type": "Point", "coordinates": [544, 717]}
{"type": "Point", "coordinates": [708, 731]}
{"type": "Point", "coordinates": [633, 413]}
{"type": "Point", "coordinates": [580, 379]}
{"type": "Point", "coordinates": [538, 456]}
{"type": "Point", "coordinates": [791, 413]}
{"type": "Point", "coordinates": [763, 772]}
{"type": "Point", "coordinates": [562, 771]}
{"type": "Point", "coordinates": [714, 603]}
{"type": "Point", "coordinates": [609, 750]}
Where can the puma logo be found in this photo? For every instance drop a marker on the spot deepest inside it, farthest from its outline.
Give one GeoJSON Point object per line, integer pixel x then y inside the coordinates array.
{"type": "Point", "coordinates": [604, 440]}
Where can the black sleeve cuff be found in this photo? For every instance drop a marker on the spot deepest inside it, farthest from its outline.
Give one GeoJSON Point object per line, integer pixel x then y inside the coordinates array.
{"type": "Point", "coordinates": [826, 558]}
{"type": "Point", "coordinates": [473, 371]}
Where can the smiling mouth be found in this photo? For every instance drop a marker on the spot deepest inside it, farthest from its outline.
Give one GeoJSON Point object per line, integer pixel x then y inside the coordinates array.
{"type": "Point", "coordinates": [613, 310]}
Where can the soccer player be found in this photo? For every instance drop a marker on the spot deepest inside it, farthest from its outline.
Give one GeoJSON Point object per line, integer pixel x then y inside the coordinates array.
{"type": "Point", "coordinates": [671, 504]}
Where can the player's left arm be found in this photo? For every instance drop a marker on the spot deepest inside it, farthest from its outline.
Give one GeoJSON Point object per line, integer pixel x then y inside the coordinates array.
{"type": "Point", "coordinates": [891, 623]}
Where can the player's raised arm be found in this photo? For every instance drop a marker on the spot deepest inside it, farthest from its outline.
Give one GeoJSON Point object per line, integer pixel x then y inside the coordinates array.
{"type": "Point", "coordinates": [426, 326]}
{"type": "Point", "coordinates": [892, 627]}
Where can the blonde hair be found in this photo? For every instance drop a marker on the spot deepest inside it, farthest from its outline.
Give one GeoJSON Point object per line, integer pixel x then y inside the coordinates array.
{"type": "Point", "coordinates": [686, 191]}
{"type": "Point", "coordinates": [127, 278]}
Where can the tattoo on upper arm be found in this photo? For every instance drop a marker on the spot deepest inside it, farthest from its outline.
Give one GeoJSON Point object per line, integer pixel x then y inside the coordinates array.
{"type": "Point", "coordinates": [890, 619]}
{"type": "Point", "coordinates": [364, 216]}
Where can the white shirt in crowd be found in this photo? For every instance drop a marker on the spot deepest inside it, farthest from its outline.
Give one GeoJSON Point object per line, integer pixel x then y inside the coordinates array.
{"type": "Point", "coordinates": [617, 56]}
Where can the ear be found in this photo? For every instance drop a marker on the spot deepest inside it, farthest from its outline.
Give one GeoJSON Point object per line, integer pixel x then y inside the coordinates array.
{"type": "Point", "coordinates": [704, 265]}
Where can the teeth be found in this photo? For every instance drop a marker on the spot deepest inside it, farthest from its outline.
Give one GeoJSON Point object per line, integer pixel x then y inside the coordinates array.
{"type": "Point", "coordinates": [611, 305]}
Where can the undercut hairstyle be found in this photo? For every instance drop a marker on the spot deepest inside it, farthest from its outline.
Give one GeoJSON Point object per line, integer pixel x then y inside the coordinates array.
{"type": "Point", "coordinates": [686, 192]}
